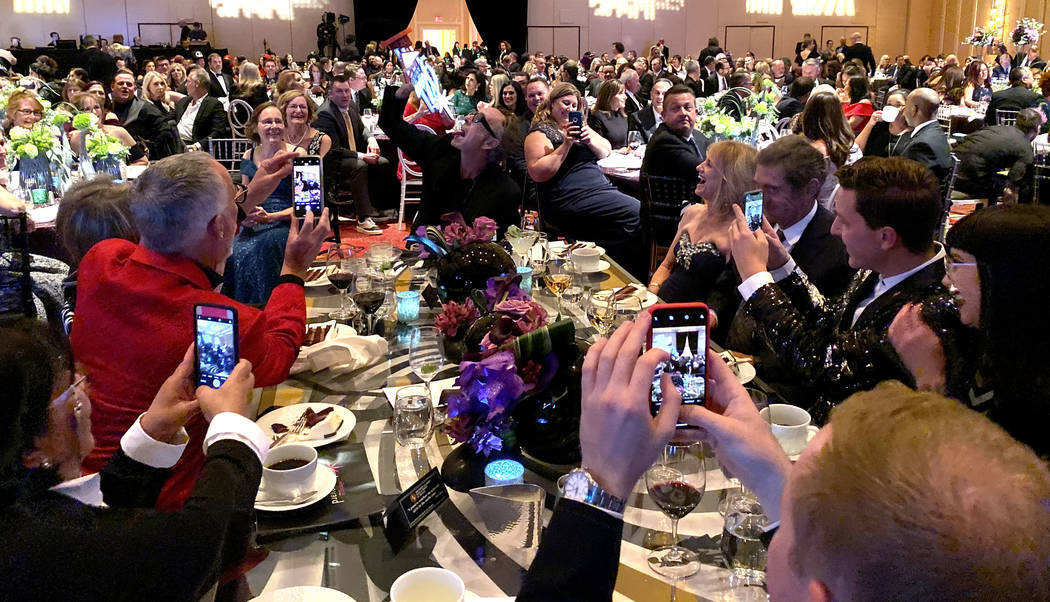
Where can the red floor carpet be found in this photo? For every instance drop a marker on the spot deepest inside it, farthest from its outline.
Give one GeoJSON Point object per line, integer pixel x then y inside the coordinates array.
{"type": "Point", "coordinates": [349, 234]}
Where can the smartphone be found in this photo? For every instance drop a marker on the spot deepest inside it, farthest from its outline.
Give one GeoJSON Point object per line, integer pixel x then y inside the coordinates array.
{"type": "Point", "coordinates": [216, 349]}
{"type": "Point", "coordinates": [307, 185]}
{"type": "Point", "coordinates": [753, 209]}
{"type": "Point", "coordinates": [680, 329]}
{"type": "Point", "coordinates": [576, 119]}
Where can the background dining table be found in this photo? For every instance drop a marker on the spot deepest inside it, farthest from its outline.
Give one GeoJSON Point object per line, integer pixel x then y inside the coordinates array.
{"type": "Point", "coordinates": [350, 552]}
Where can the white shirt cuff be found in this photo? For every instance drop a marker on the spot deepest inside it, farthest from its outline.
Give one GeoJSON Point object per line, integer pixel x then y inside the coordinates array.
{"type": "Point", "coordinates": [784, 271]}
{"type": "Point", "coordinates": [142, 448]}
{"type": "Point", "coordinates": [748, 287]}
{"type": "Point", "coordinates": [229, 425]}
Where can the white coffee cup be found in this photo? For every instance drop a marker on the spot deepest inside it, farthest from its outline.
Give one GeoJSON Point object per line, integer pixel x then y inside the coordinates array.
{"type": "Point", "coordinates": [586, 259]}
{"type": "Point", "coordinates": [790, 426]}
{"type": "Point", "coordinates": [428, 584]}
{"type": "Point", "coordinates": [290, 482]}
{"type": "Point", "coordinates": [889, 113]}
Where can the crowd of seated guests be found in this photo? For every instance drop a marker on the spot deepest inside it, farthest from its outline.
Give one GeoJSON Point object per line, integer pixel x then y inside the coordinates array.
{"type": "Point", "coordinates": [844, 286]}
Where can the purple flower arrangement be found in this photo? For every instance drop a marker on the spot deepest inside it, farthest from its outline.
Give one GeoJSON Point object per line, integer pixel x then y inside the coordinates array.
{"type": "Point", "coordinates": [1027, 31]}
{"type": "Point", "coordinates": [454, 234]}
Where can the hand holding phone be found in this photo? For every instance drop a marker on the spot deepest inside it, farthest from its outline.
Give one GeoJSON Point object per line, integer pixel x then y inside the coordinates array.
{"type": "Point", "coordinates": [575, 120]}
{"type": "Point", "coordinates": [307, 185]}
{"type": "Point", "coordinates": [217, 343]}
{"type": "Point", "coordinates": [753, 209]}
{"type": "Point", "coordinates": [680, 329]}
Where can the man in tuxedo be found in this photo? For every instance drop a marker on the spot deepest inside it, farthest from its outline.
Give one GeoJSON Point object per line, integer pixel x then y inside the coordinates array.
{"type": "Point", "coordinates": [629, 79]}
{"type": "Point", "coordinates": [886, 212]}
{"type": "Point", "coordinates": [675, 148]}
{"type": "Point", "coordinates": [221, 84]}
{"type": "Point", "coordinates": [100, 66]}
{"type": "Point", "coordinates": [142, 119]}
{"type": "Point", "coordinates": [795, 101]}
{"type": "Point", "coordinates": [781, 72]}
{"type": "Point", "coordinates": [719, 82]}
{"type": "Point", "coordinates": [986, 152]}
{"type": "Point", "coordinates": [647, 119]}
{"type": "Point", "coordinates": [1018, 96]}
{"type": "Point", "coordinates": [270, 71]}
{"type": "Point", "coordinates": [926, 142]}
{"type": "Point", "coordinates": [339, 118]}
{"type": "Point", "coordinates": [199, 116]}
{"type": "Point", "coordinates": [1030, 59]}
{"type": "Point", "coordinates": [907, 75]}
{"type": "Point", "coordinates": [861, 51]}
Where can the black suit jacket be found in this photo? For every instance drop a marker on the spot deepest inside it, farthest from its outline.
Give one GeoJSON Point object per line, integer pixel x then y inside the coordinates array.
{"type": "Point", "coordinates": [908, 77]}
{"type": "Point", "coordinates": [635, 104]}
{"type": "Point", "coordinates": [100, 66]}
{"type": "Point", "coordinates": [930, 147]}
{"type": "Point", "coordinates": [56, 548]}
{"type": "Point", "coordinates": [989, 150]}
{"type": "Point", "coordinates": [643, 121]}
{"type": "Point", "coordinates": [822, 256]}
{"type": "Point", "coordinates": [668, 154]}
{"type": "Point", "coordinates": [862, 52]}
{"type": "Point", "coordinates": [216, 90]}
{"type": "Point", "coordinates": [814, 339]}
{"type": "Point", "coordinates": [1013, 98]}
{"type": "Point", "coordinates": [145, 122]}
{"type": "Point", "coordinates": [211, 120]}
{"type": "Point", "coordinates": [330, 121]}
{"type": "Point", "coordinates": [697, 86]}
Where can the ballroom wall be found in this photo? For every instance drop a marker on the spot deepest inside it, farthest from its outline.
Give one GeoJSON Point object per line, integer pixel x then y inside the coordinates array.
{"type": "Point", "coordinates": [915, 27]}
{"type": "Point", "coordinates": [240, 25]}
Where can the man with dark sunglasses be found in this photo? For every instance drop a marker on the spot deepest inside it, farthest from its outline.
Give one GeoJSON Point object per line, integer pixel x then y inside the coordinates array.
{"type": "Point", "coordinates": [462, 171]}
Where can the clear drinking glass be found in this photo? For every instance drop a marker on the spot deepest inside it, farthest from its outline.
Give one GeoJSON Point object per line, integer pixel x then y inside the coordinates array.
{"type": "Point", "coordinates": [606, 311]}
{"type": "Point", "coordinates": [424, 354]}
{"type": "Point", "coordinates": [341, 274]}
{"type": "Point", "coordinates": [522, 243]}
{"type": "Point", "coordinates": [634, 140]}
{"type": "Point", "coordinates": [742, 548]}
{"type": "Point", "coordinates": [676, 483]}
{"type": "Point", "coordinates": [559, 277]}
{"type": "Point", "coordinates": [413, 417]}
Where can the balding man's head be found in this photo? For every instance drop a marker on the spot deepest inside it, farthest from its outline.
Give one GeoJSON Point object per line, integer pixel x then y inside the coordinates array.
{"type": "Point", "coordinates": [921, 106]}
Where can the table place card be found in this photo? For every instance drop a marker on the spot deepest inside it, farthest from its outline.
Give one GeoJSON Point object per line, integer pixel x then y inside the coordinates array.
{"type": "Point", "coordinates": [411, 507]}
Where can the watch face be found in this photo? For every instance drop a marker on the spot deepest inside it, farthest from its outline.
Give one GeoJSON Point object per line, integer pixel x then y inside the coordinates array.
{"type": "Point", "coordinates": [577, 486]}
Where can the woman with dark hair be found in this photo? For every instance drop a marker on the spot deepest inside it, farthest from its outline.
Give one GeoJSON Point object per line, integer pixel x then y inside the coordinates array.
{"type": "Point", "coordinates": [575, 196]}
{"type": "Point", "coordinates": [952, 86]}
{"type": "Point", "coordinates": [825, 125]}
{"type": "Point", "coordinates": [511, 99]}
{"type": "Point", "coordinates": [59, 541]}
{"type": "Point", "coordinates": [609, 115]}
{"type": "Point", "coordinates": [465, 100]}
{"type": "Point", "coordinates": [978, 84]}
{"type": "Point", "coordinates": [858, 109]}
{"type": "Point", "coordinates": [994, 261]}
{"type": "Point", "coordinates": [807, 50]}
{"type": "Point", "coordinates": [878, 136]}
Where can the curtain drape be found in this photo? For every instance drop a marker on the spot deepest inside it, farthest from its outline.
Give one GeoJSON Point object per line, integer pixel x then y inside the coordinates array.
{"type": "Point", "coordinates": [503, 20]}
{"type": "Point", "coordinates": [377, 20]}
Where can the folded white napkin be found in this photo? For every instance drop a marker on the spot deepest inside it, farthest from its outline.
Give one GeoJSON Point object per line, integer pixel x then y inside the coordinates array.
{"type": "Point", "coordinates": [341, 353]}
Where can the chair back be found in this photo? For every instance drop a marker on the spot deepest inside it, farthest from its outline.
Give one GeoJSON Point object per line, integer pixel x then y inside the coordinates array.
{"type": "Point", "coordinates": [946, 197]}
{"type": "Point", "coordinates": [229, 152]}
{"type": "Point", "coordinates": [880, 99]}
{"type": "Point", "coordinates": [664, 199]}
{"type": "Point", "coordinates": [16, 285]}
{"type": "Point", "coordinates": [944, 118]}
{"type": "Point", "coordinates": [239, 114]}
{"type": "Point", "coordinates": [1006, 116]}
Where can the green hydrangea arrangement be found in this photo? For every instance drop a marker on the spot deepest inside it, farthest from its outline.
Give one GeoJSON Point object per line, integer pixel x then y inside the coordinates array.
{"type": "Point", "coordinates": [98, 144]}
{"type": "Point", "coordinates": [30, 143]}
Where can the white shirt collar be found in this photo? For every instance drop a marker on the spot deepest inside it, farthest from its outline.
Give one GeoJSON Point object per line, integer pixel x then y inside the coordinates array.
{"type": "Point", "coordinates": [793, 233]}
{"type": "Point", "coordinates": [916, 129]}
{"type": "Point", "coordinates": [888, 282]}
{"type": "Point", "coordinates": [85, 489]}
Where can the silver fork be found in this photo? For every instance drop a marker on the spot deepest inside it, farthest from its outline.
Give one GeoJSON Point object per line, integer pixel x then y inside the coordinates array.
{"type": "Point", "coordinates": [297, 428]}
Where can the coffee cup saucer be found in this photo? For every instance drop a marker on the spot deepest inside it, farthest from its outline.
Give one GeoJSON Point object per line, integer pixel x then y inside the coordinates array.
{"type": "Point", "coordinates": [811, 431]}
{"type": "Point", "coordinates": [324, 482]}
{"type": "Point", "coordinates": [601, 267]}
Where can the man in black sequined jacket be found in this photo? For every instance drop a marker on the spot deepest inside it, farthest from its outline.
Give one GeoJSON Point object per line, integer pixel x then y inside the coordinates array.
{"type": "Point", "coordinates": [886, 213]}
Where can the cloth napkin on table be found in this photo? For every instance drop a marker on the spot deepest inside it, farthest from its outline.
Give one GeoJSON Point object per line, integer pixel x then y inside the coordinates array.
{"type": "Point", "coordinates": [341, 354]}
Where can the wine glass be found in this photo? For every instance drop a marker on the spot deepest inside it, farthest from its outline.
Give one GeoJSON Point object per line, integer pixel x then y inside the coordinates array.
{"type": "Point", "coordinates": [559, 278]}
{"type": "Point", "coordinates": [424, 354]}
{"type": "Point", "coordinates": [634, 140]}
{"type": "Point", "coordinates": [341, 275]}
{"type": "Point", "coordinates": [605, 310]}
{"type": "Point", "coordinates": [676, 483]}
{"type": "Point", "coordinates": [522, 244]}
{"type": "Point", "coordinates": [369, 299]}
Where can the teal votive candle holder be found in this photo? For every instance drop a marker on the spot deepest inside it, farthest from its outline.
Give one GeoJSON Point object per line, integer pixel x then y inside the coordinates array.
{"type": "Point", "coordinates": [526, 279]}
{"type": "Point", "coordinates": [407, 306]}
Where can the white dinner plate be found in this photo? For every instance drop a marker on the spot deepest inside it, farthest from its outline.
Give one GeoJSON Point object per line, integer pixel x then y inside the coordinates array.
{"type": "Point", "coordinates": [289, 414]}
{"type": "Point", "coordinates": [324, 483]}
{"type": "Point", "coordinates": [303, 593]}
{"type": "Point", "coordinates": [322, 281]}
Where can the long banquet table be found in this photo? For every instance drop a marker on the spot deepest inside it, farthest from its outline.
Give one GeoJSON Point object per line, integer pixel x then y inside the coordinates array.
{"type": "Point", "coordinates": [352, 554]}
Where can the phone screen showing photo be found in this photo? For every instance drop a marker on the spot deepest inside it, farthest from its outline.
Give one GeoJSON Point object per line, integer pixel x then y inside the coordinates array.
{"type": "Point", "coordinates": [307, 188]}
{"type": "Point", "coordinates": [681, 332]}
{"type": "Point", "coordinates": [216, 344]}
{"type": "Point", "coordinates": [753, 209]}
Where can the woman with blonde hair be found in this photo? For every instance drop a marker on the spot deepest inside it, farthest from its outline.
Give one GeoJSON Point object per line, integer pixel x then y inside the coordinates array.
{"type": "Point", "coordinates": [700, 252]}
{"type": "Point", "coordinates": [177, 78]}
{"type": "Point", "coordinates": [575, 196]}
{"type": "Point", "coordinates": [250, 86]}
{"type": "Point", "coordinates": [299, 112]}
{"type": "Point", "coordinates": [155, 89]}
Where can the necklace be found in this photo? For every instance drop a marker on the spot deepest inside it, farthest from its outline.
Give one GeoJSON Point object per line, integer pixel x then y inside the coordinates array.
{"type": "Point", "coordinates": [299, 143]}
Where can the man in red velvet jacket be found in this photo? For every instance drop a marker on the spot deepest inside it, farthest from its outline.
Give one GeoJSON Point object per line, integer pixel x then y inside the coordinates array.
{"type": "Point", "coordinates": [134, 313]}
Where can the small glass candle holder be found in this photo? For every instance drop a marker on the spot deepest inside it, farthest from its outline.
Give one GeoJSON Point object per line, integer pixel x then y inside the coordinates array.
{"type": "Point", "coordinates": [526, 279]}
{"type": "Point", "coordinates": [407, 306]}
{"type": "Point", "coordinates": [504, 472]}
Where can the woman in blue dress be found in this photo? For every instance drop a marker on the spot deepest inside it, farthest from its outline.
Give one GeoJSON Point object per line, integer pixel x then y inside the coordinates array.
{"type": "Point", "coordinates": [254, 267]}
{"type": "Point", "coordinates": [575, 196]}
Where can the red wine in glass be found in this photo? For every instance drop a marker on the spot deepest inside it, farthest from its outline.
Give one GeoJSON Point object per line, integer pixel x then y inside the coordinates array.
{"type": "Point", "coordinates": [675, 498]}
{"type": "Point", "coordinates": [370, 301]}
{"type": "Point", "coordinates": [341, 280]}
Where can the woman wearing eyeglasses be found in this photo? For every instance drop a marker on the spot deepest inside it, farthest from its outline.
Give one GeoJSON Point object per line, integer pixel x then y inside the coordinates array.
{"type": "Point", "coordinates": [23, 110]}
{"type": "Point", "coordinates": [993, 264]}
{"type": "Point", "coordinates": [60, 542]}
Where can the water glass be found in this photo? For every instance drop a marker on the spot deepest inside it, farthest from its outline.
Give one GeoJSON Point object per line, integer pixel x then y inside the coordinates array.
{"type": "Point", "coordinates": [407, 306]}
{"type": "Point", "coordinates": [526, 279]}
{"type": "Point", "coordinates": [634, 140]}
{"type": "Point", "coordinates": [742, 547]}
{"type": "Point", "coordinates": [413, 417]}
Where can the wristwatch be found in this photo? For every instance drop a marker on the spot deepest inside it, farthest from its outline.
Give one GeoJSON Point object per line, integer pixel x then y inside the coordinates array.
{"type": "Point", "coordinates": [580, 486]}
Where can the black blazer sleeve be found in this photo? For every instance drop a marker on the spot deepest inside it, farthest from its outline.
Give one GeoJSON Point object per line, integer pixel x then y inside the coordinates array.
{"type": "Point", "coordinates": [325, 122]}
{"type": "Point", "coordinates": [412, 141]}
{"type": "Point", "coordinates": [211, 121]}
{"type": "Point", "coordinates": [578, 558]}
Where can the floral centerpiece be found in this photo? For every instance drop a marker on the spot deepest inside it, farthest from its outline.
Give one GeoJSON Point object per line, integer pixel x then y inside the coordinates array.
{"type": "Point", "coordinates": [982, 37]}
{"type": "Point", "coordinates": [105, 153]}
{"type": "Point", "coordinates": [511, 354]}
{"type": "Point", "coordinates": [465, 255]}
{"type": "Point", "coordinates": [1027, 31]}
{"type": "Point", "coordinates": [714, 122]}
